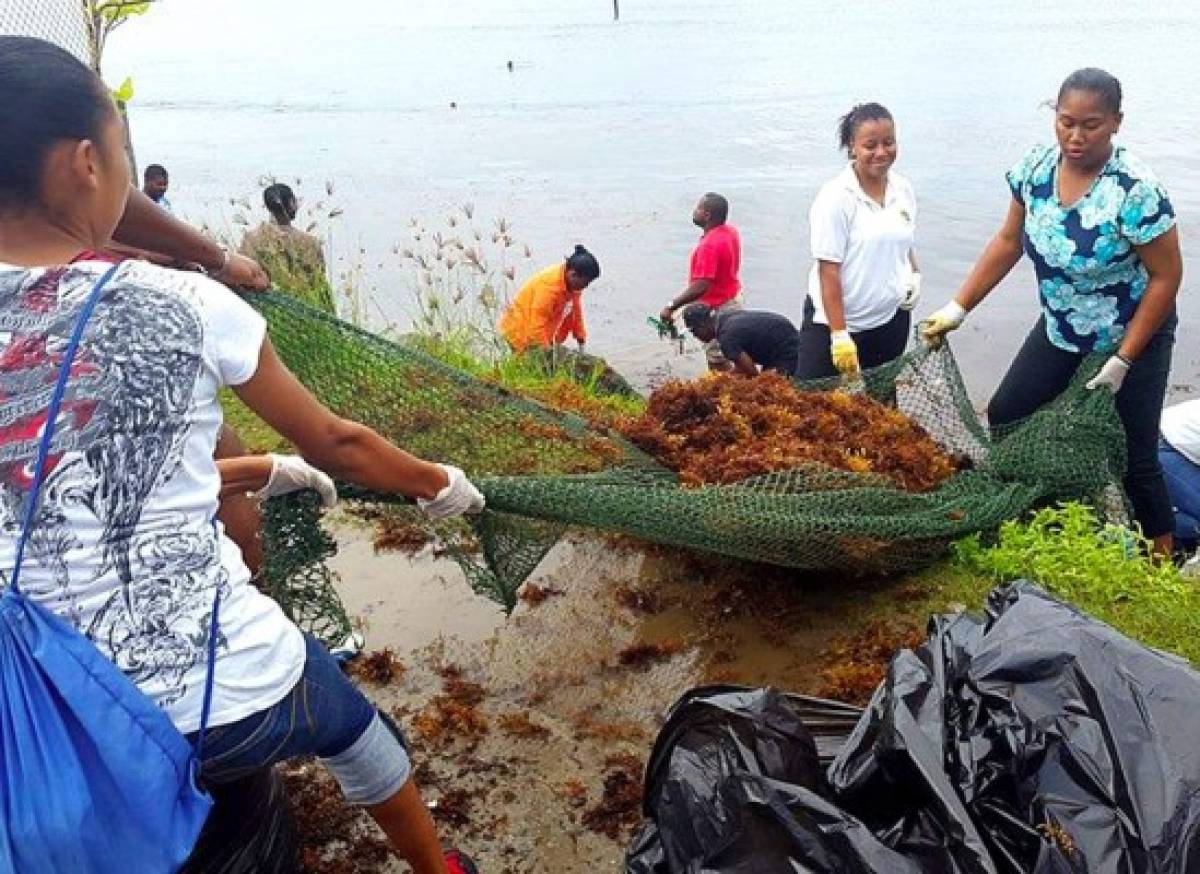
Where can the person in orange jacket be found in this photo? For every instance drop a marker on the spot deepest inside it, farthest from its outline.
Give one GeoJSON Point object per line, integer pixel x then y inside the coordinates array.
{"type": "Point", "coordinates": [549, 307]}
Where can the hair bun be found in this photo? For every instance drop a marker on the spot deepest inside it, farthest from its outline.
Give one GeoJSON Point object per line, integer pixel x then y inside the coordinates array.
{"type": "Point", "coordinates": [579, 249]}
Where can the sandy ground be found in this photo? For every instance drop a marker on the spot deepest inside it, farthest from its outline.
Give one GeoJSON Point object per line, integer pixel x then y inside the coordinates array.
{"type": "Point", "coordinates": [530, 732]}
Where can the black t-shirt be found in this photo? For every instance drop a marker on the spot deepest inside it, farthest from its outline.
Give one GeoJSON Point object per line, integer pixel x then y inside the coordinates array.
{"type": "Point", "coordinates": [768, 338]}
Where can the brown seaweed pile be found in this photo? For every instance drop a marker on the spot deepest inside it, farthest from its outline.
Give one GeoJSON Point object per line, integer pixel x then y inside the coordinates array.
{"type": "Point", "coordinates": [726, 428]}
{"type": "Point", "coordinates": [859, 663]}
{"type": "Point", "coordinates": [380, 667]}
{"type": "Point", "coordinates": [335, 838]}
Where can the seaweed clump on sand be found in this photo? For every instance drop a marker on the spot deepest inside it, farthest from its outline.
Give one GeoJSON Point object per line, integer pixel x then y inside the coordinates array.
{"type": "Point", "coordinates": [856, 665]}
{"type": "Point", "coordinates": [726, 428]}
{"type": "Point", "coordinates": [335, 838]}
{"type": "Point", "coordinates": [380, 667]}
{"type": "Point", "coordinates": [619, 808]}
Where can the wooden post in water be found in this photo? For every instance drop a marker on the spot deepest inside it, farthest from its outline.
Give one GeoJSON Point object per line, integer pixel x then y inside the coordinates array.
{"type": "Point", "coordinates": [616, 10]}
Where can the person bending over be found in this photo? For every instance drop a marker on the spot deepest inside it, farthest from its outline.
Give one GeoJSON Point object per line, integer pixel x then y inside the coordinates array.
{"type": "Point", "coordinates": [1179, 454]}
{"type": "Point", "coordinates": [125, 548]}
{"type": "Point", "coordinates": [749, 340]}
{"type": "Point", "coordinates": [1101, 234]}
{"type": "Point", "coordinates": [549, 307]}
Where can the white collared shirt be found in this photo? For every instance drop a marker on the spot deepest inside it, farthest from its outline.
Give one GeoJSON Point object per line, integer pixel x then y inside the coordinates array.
{"type": "Point", "coordinates": [1181, 428]}
{"type": "Point", "coordinates": [870, 241]}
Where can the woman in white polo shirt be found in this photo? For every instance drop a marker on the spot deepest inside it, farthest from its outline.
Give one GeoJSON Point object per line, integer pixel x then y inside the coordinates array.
{"type": "Point", "coordinates": [864, 279]}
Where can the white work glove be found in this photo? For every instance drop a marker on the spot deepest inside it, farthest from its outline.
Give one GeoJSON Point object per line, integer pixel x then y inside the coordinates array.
{"type": "Point", "coordinates": [290, 473]}
{"type": "Point", "coordinates": [935, 328]}
{"type": "Point", "coordinates": [455, 499]}
{"type": "Point", "coordinates": [1112, 375]}
{"type": "Point", "coordinates": [843, 351]}
{"type": "Point", "coordinates": [912, 291]}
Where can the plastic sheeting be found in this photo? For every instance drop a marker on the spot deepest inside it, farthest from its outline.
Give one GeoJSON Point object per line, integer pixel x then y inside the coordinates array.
{"type": "Point", "coordinates": [1032, 739]}
{"type": "Point", "coordinates": [721, 772]}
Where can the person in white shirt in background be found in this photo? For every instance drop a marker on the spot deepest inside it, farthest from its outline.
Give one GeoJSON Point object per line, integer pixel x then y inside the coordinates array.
{"type": "Point", "coordinates": [1179, 454]}
{"type": "Point", "coordinates": [864, 280]}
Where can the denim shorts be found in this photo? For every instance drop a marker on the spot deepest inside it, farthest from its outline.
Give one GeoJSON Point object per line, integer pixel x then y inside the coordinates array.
{"type": "Point", "coordinates": [324, 715]}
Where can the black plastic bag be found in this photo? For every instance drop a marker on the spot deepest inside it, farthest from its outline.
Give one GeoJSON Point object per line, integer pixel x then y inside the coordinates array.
{"type": "Point", "coordinates": [250, 829]}
{"type": "Point", "coordinates": [727, 764]}
{"type": "Point", "coordinates": [1033, 739]}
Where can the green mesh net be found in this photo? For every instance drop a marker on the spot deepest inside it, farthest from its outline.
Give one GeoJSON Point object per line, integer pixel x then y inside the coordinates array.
{"type": "Point", "coordinates": [542, 470]}
{"type": "Point", "coordinates": [295, 547]}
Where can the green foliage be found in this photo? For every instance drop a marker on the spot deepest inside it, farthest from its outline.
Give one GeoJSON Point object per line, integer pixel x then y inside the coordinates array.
{"type": "Point", "coordinates": [1104, 569]}
{"type": "Point", "coordinates": [105, 16]}
{"type": "Point", "coordinates": [569, 382]}
{"type": "Point", "coordinates": [295, 263]}
{"type": "Point", "coordinates": [118, 10]}
{"type": "Point", "coordinates": [124, 94]}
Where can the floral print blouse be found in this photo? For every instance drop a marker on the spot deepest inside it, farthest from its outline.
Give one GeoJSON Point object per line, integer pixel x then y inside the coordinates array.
{"type": "Point", "coordinates": [1090, 278]}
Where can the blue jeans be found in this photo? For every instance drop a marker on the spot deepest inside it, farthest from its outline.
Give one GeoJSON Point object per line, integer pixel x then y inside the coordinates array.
{"type": "Point", "coordinates": [324, 715]}
{"type": "Point", "coordinates": [1183, 483]}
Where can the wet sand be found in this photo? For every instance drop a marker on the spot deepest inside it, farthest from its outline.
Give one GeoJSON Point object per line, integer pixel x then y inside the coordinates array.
{"type": "Point", "coordinates": [520, 725]}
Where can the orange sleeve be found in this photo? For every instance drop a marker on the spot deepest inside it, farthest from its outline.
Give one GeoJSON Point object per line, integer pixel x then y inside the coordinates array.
{"type": "Point", "coordinates": [571, 324]}
{"type": "Point", "coordinates": [578, 328]}
{"type": "Point", "coordinates": [560, 336]}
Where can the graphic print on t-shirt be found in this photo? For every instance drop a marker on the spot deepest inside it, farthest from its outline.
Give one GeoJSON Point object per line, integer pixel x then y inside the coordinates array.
{"type": "Point", "coordinates": [119, 438]}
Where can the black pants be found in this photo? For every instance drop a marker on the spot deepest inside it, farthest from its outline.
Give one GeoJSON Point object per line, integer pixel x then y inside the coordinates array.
{"type": "Point", "coordinates": [1041, 371]}
{"type": "Point", "coordinates": [875, 347]}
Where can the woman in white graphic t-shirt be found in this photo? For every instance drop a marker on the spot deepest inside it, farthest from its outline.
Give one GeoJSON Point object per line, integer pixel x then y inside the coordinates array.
{"type": "Point", "coordinates": [864, 278]}
{"type": "Point", "coordinates": [125, 547]}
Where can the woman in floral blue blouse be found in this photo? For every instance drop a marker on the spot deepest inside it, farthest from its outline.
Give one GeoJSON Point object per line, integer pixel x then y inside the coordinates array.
{"type": "Point", "coordinates": [1101, 234]}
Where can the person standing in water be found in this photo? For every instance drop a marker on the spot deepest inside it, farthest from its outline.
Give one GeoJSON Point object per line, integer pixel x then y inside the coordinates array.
{"type": "Point", "coordinates": [864, 278]}
{"type": "Point", "coordinates": [1101, 234]}
{"type": "Point", "coordinates": [713, 270]}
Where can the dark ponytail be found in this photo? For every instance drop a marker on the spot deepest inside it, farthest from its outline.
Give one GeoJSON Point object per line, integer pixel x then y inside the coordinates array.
{"type": "Point", "coordinates": [47, 96]}
{"type": "Point", "coordinates": [1104, 85]}
{"type": "Point", "coordinates": [583, 263]}
{"type": "Point", "coordinates": [849, 123]}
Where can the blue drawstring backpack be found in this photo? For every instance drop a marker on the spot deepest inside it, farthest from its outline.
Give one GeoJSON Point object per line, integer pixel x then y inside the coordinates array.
{"type": "Point", "coordinates": [94, 778]}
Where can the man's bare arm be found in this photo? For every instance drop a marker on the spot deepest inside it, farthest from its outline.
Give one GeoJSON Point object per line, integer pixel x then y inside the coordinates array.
{"type": "Point", "coordinates": [147, 227]}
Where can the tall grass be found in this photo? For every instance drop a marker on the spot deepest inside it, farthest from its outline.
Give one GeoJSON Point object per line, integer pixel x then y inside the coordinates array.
{"type": "Point", "coordinates": [459, 275]}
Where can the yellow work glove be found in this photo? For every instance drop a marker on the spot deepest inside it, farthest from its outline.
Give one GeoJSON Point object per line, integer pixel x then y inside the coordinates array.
{"type": "Point", "coordinates": [844, 352]}
{"type": "Point", "coordinates": [935, 328]}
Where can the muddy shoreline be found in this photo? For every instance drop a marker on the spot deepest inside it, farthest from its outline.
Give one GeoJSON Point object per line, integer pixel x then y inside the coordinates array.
{"type": "Point", "coordinates": [530, 732]}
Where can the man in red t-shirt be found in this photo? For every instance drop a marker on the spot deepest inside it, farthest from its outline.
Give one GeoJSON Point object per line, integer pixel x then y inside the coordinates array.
{"type": "Point", "coordinates": [713, 274]}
